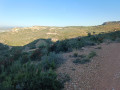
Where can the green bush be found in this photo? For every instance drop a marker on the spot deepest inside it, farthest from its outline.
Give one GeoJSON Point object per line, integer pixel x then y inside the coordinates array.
{"type": "Point", "coordinates": [97, 38]}
{"type": "Point", "coordinates": [76, 44]}
{"type": "Point", "coordinates": [3, 47]}
{"type": "Point", "coordinates": [82, 56]}
{"type": "Point", "coordinates": [92, 54]}
{"type": "Point", "coordinates": [46, 65]}
{"type": "Point", "coordinates": [98, 48]}
{"type": "Point", "coordinates": [81, 61]}
{"type": "Point", "coordinates": [24, 58]}
{"type": "Point", "coordinates": [63, 77]}
{"type": "Point", "coordinates": [75, 55]}
{"type": "Point", "coordinates": [84, 59]}
{"type": "Point", "coordinates": [61, 46]}
{"type": "Point", "coordinates": [51, 61]}
{"type": "Point", "coordinates": [29, 77]}
{"type": "Point", "coordinates": [16, 52]}
{"type": "Point", "coordinates": [89, 34]}
{"type": "Point", "coordinates": [36, 55]}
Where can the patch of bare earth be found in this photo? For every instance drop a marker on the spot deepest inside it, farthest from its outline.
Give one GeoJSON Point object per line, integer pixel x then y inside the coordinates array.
{"type": "Point", "coordinates": [102, 73]}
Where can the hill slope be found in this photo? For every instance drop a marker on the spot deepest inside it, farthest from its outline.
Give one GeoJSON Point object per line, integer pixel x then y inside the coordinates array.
{"type": "Point", "coordinates": [33, 66]}
{"type": "Point", "coordinates": [23, 36]}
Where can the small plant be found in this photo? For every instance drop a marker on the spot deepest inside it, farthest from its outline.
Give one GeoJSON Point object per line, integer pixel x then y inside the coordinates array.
{"type": "Point", "coordinates": [63, 77]}
{"type": "Point", "coordinates": [98, 48]}
{"type": "Point", "coordinates": [89, 34]}
{"type": "Point", "coordinates": [33, 47]}
{"type": "Point", "coordinates": [81, 56]}
{"type": "Point", "coordinates": [92, 54]}
{"type": "Point", "coordinates": [97, 38]}
{"type": "Point", "coordinates": [36, 55]}
{"type": "Point", "coordinates": [46, 65]}
{"type": "Point", "coordinates": [93, 33]}
{"type": "Point", "coordinates": [17, 54]}
{"type": "Point", "coordinates": [60, 46]}
{"type": "Point", "coordinates": [51, 61]}
{"type": "Point", "coordinates": [70, 55]}
{"type": "Point", "coordinates": [81, 61]}
{"type": "Point", "coordinates": [75, 55]}
{"type": "Point", "coordinates": [84, 59]}
{"type": "Point", "coordinates": [73, 69]}
{"type": "Point", "coordinates": [24, 58]}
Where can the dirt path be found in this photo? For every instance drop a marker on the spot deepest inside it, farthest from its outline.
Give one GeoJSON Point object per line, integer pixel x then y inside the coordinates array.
{"type": "Point", "coordinates": [102, 73]}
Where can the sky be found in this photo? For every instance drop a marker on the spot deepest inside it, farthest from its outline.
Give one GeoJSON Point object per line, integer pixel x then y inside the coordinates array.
{"type": "Point", "coordinates": [58, 12]}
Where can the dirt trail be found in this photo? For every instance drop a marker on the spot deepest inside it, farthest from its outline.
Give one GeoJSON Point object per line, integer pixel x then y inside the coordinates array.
{"type": "Point", "coordinates": [102, 73]}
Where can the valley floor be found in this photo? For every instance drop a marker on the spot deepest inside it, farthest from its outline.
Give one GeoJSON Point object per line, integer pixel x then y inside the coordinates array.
{"type": "Point", "coordinates": [102, 73]}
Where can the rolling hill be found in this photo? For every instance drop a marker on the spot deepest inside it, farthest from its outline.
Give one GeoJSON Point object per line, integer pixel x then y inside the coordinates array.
{"type": "Point", "coordinates": [23, 36]}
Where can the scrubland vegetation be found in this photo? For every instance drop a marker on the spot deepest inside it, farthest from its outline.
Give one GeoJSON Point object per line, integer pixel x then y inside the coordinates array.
{"type": "Point", "coordinates": [32, 66]}
{"type": "Point", "coordinates": [83, 59]}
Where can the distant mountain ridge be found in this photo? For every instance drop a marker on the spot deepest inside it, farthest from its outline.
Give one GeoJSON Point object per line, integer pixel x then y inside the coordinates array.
{"type": "Point", "coordinates": [5, 28]}
{"type": "Point", "coordinates": [111, 22]}
{"type": "Point", "coordinates": [55, 27]}
{"type": "Point", "coordinates": [49, 27]}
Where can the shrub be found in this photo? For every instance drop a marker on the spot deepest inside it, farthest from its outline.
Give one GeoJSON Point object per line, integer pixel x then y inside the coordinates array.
{"type": "Point", "coordinates": [84, 59]}
{"type": "Point", "coordinates": [46, 65]}
{"type": "Point", "coordinates": [75, 44]}
{"type": "Point", "coordinates": [92, 54]}
{"type": "Point", "coordinates": [24, 58]}
{"type": "Point", "coordinates": [32, 47]}
{"type": "Point", "coordinates": [17, 55]}
{"type": "Point", "coordinates": [75, 55]}
{"type": "Point", "coordinates": [54, 60]}
{"type": "Point", "coordinates": [81, 56]}
{"type": "Point", "coordinates": [3, 47]}
{"type": "Point", "coordinates": [36, 55]}
{"type": "Point", "coordinates": [89, 34]}
{"type": "Point", "coordinates": [63, 77]}
{"type": "Point", "coordinates": [62, 46]}
{"type": "Point", "coordinates": [114, 35]}
{"type": "Point", "coordinates": [29, 77]}
{"type": "Point", "coordinates": [6, 62]}
{"type": "Point", "coordinates": [97, 38]}
{"type": "Point", "coordinates": [98, 48]}
{"type": "Point", "coordinates": [81, 61]}
{"type": "Point", "coordinates": [89, 43]}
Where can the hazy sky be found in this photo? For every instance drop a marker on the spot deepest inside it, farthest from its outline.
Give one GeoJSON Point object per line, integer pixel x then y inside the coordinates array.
{"type": "Point", "coordinates": [58, 12]}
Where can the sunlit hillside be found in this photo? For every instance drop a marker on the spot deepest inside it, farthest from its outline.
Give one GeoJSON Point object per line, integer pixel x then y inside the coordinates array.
{"type": "Point", "coordinates": [23, 36]}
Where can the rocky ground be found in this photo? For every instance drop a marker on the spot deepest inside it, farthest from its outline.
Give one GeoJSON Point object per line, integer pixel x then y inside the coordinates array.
{"type": "Point", "coordinates": [102, 73]}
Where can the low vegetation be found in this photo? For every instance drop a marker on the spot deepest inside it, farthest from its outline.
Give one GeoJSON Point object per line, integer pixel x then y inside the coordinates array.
{"type": "Point", "coordinates": [28, 77]}
{"type": "Point", "coordinates": [75, 55]}
{"type": "Point", "coordinates": [91, 54]}
{"type": "Point", "coordinates": [30, 70]}
{"type": "Point", "coordinates": [82, 59]}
